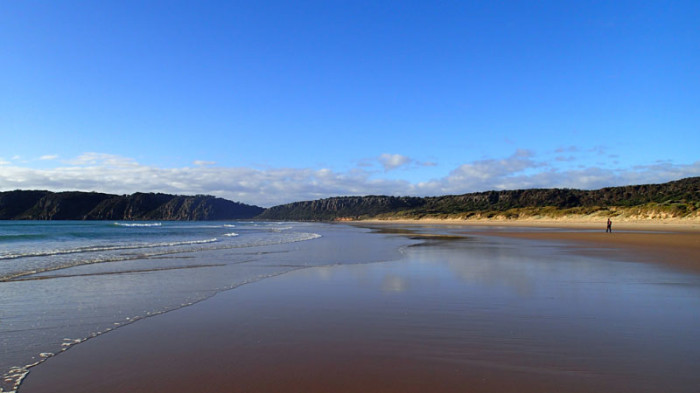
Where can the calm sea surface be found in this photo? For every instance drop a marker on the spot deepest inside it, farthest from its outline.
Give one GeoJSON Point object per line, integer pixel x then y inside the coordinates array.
{"type": "Point", "coordinates": [64, 282]}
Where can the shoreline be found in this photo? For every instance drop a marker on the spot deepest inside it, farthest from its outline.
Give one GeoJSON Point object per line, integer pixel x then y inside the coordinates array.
{"type": "Point", "coordinates": [674, 225]}
{"type": "Point", "coordinates": [678, 249]}
{"type": "Point", "coordinates": [433, 320]}
{"type": "Point", "coordinates": [673, 242]}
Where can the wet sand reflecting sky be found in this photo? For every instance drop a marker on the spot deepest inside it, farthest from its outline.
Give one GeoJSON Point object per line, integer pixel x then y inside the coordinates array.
{"type": "Point", "coordinates": [478, 314]}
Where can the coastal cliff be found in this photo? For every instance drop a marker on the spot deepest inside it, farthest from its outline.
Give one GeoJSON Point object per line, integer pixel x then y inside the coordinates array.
{"type": "Point", "coordinates": [677, 199]}
{"type": "Point", "coordinates": [341, 207]}
{"type": "Point", "coordinates": [46, 205]}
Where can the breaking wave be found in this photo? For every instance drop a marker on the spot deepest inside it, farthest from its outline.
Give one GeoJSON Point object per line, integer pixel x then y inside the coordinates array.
{"type": "Point", "coordinates": [80, 250]}
{"type": "Point", "coordinates": [138, 224]}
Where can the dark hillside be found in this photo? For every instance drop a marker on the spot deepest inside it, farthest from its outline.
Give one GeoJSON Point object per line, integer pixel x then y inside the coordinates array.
{"type": "Point", "coordinates": [341, 207]}
{"type": "Point", "coordinates": [678, 199]}
{"type": "Point", "coordinates": [63, 206]}
{"type": "Point", "coordinates": [45, 205]}
{"type": "Point", "coordinates": [14, 203]}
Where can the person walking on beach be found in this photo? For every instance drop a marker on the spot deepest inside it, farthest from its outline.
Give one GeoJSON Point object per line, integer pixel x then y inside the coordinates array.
{"type": "Point", "coordinates": [609, 228]}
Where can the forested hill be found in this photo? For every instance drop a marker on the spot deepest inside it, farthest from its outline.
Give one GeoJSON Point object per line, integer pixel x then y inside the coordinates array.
{"type": "Point", "coordinates": [674, 199]}
{"type": "Point", "coordinates": [46, 205]}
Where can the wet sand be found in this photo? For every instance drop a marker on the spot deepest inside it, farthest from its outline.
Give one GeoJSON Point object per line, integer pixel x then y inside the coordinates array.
{"type": "Point", "coordinates": [328, 345]}
{"type": "Point", "coordinates": [677, 249]}
{"type": "Point", "coordinates": [493, 312]}
{"type": "Point", "coordinates": [671, 242]}
{"type": "Point", "coordinates": [594, 223]}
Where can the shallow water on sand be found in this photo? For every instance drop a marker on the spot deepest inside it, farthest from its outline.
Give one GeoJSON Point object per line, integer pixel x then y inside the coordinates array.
{"type": "Point", "coordinates": [491, 314]}
{"type": "Point", "coordinates": [62, 283]}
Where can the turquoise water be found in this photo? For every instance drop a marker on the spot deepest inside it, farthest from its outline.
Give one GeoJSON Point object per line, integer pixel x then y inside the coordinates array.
{"type": "Point", "coordinates": [64, 282]}
{"type": "Point", "coordinates": [31, 247]}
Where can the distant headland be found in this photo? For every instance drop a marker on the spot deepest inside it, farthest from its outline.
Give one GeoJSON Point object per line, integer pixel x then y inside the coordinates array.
{"type": "Point", "coordinates": [673, 200]}
{"type": "Point", "coordinates": [74, 205]}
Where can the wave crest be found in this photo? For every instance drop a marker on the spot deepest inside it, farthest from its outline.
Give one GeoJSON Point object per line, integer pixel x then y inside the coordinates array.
{"type": "Point", "coordinates": [138, 224]}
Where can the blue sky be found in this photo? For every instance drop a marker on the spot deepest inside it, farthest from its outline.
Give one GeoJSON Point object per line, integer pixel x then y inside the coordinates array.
{"type": "Point", "coordinates": [279, 101]}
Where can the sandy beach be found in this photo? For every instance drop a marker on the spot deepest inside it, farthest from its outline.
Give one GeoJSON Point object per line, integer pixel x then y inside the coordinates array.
{"type": "Point", "coordinates": [673, 242]}
{"type": "Point", "coordinates": [582, 222]}
{"type": "Point", "coordinates": [470, 309]}
{"type": "Point", "coordinates": [679, 249]}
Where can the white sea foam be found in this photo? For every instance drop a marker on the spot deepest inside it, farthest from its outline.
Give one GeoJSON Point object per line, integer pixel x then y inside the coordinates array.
{"type": "Point", "coordinates": [79, 250]}
{"type": "Point", "coordinates": [138, 224]}
{"type": "Point", "coordinates": [14, 377]}
{"type": "Point", "coordinates": [206, 226]}
{"type": "Point", "coordinates": [288, 237]}
{"type": "Point", "coordinates": [75, 246]}
{"type": "Point", "coordinates": [92, 255]}
{"type": "Point", "coordinates": [280, 229]}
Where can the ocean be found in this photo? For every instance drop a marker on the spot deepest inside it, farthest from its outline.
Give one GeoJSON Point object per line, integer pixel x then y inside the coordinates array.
{"type": "Point", "coordinates": [63, 282]}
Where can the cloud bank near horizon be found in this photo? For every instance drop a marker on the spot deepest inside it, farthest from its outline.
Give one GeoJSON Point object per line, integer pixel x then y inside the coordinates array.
{"type": "Point", "coordinates": [268, 187]}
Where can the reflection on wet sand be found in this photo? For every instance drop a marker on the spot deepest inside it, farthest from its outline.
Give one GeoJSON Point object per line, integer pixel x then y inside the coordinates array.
{"type": "Point", "coordinates": [475, 313]}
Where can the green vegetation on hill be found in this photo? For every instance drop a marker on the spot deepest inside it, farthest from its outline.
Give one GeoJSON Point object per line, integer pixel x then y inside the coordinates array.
{"type": "Point", "coordinates": [46, 205]}
{"type": "Point", "coordinates": [674, 199]}
{"type": "Point", "coordinates": [341, 207]}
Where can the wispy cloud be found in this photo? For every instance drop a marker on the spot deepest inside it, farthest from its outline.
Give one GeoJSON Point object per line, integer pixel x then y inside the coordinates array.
{"type": "Point", "coordinates": [203, 163]}
{"type": "Point", "coordinates": [116, 174]}
{"type": "Point", "coordinates": [48, 157]}
{"type": "Point", "coordinates": [494, 168]}
{"type": "Point", "coordinates": [567, 149]}
{"type": "Point", "coordinates": [113, 174]}
{"type": "Point", "coordinates": [393, 161]}
{"type": "Point", "coordinates": [102, 160]}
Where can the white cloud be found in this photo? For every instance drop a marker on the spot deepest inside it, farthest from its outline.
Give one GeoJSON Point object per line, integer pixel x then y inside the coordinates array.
{"type": "Point", "coordinates": [522, 170]}
{"type": "Point", "coordinates": [121, 175]}
{"type": "Point", "coordinates": [393, 161]}
{"type": "Point", "coordinates": [485, 170]}
{"type": "Point", "coordinates": [102, 160]}
{"type": "Point", "coordinates": [203, 163]}
{"type": "Point", "coordinates": [48, 157]}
